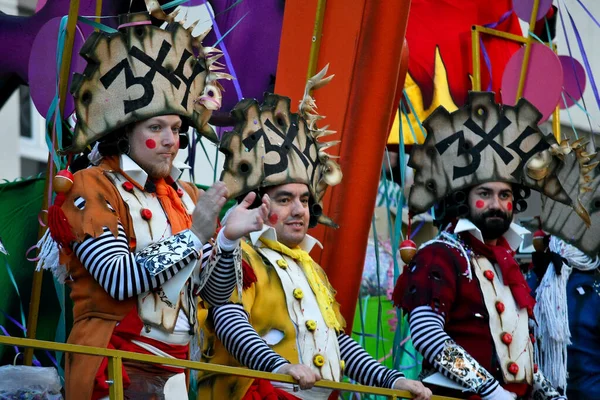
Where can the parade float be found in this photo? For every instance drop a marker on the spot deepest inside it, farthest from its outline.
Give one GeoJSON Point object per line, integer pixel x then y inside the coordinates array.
{"type": "Point", "coordinates": [381, 94]}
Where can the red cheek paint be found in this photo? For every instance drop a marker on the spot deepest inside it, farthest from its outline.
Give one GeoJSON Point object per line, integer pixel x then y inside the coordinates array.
{"type": "Point", "coordinates": [479, 204]}
{"type": "Point", "coordinates": [150, 143]}
{"type": "Point", "coordinates": [273, 218]}
{"type": "Point", "coordinates": [509, 206]}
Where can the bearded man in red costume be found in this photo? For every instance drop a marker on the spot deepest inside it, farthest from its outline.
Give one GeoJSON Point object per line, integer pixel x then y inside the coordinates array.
{"type": "Point", "coordinates": [467, 301]}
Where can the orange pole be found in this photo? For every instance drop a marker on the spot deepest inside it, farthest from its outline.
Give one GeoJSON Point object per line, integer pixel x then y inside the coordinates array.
{"type": "Point", "coordinates": [362, 40]}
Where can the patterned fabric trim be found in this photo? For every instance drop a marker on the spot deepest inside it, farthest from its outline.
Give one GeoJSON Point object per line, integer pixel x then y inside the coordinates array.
{"type": "Point", "coordinates": [460, 365]}
{"type": "Point", "coordinates": [164, 254]}
{"type": "Point", "coordinates": [543, 389]}
{"type": "Point", "coordinates": [239, 274]}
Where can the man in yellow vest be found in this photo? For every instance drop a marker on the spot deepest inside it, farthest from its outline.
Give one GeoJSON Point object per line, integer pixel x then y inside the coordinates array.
{"type": "Point", "coordinates": [286, 320]}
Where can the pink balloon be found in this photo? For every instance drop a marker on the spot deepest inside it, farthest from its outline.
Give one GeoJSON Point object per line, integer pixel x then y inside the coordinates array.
{"type": "Point", "coordinates": [543, 82]}
{"type": "Point", "coordinates": [42, 67]}
{"type": "Point", "coordinates": [574, 81]}
{"type": "Point", "coordinates": [523, 9]}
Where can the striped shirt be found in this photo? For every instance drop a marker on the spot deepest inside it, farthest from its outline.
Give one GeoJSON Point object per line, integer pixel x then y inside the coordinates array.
{"type": "Point", "coordinates": [115, 268]}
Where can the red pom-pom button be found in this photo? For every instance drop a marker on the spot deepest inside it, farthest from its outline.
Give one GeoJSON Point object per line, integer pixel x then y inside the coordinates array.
{"type": "Point", "coordinates": [532, 338]}
{"type": "Point", "coordinates": [513, 368]}
{"type": "Point", "coordinates": [535, 368]}
{"type": "Point", "coordinates": [128, 186]}
{"type": "Point", "coordinates": [180, 192]}
{"type": "Point", "coordinates": [500, 307]}
{"type": "Point", "coordinates": [507, 338]}
{"type": "Point", "coordinates": [489, 275]}
{"type": "Point", "coordinates": [146, 214]}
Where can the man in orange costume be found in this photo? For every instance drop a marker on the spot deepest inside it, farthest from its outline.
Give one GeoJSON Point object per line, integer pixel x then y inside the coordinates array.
{"type": "Point", "coordinates": [136, 241]}
{"type": "Point", "coordinates": [467, 302]}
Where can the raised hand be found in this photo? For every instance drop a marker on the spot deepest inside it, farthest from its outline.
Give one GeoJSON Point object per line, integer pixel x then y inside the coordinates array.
{"type": "Point", "coordinates": [305, 376]}
{"type": "Point", "coordinates": [420, 391]}
{"type": "Point", "coordinates": [241, 221]}
{"type": "Point", "coordinates": [208, 207]}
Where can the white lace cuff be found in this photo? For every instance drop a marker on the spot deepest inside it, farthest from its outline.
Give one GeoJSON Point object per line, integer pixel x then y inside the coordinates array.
{"type": "Point", "coordinates": [462, 367]}
{"type": "Point", "coordinates": [543, 389]}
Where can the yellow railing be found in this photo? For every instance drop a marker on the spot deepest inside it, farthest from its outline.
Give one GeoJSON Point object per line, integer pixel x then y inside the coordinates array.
{"type": "Point", "coordinates": [116, 357]}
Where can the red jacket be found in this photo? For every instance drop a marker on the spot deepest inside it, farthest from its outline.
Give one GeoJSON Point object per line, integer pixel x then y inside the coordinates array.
{"type": "Point", "coordinates": [437, 277]}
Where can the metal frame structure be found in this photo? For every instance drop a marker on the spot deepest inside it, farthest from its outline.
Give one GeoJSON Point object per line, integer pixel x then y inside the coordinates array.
{"type": "Point", "coordinates": [478, 30]}
{"type": "Point", "coordinates": [116, 357]}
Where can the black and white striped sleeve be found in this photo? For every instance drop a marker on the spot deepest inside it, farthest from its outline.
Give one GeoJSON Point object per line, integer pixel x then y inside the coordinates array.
{"type": "Point", "coordinates": [430, 339]}
{"type": "Point", "coordinates": [221, 282]}
{"type": "Point", "coordinates": [206, 250]}
{"type": "Point", "coordinates": [116, 269]}
{"type": "Point", "coordinates": [242, 340]}
{"type": "Point", "coordinates": [362, 367]}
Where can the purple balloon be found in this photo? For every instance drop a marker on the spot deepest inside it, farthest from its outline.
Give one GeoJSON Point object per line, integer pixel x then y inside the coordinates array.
{"type": "Point", "coordinates": [574, 81]}
{"type": "Point", "coordinates": [253, 46]}
{"type": "Point", "coordinates": [17, 35]}
{"type": "Point", "coordinates": [42, 67]}
{"type": "Point", "coordinates": [523, 9]}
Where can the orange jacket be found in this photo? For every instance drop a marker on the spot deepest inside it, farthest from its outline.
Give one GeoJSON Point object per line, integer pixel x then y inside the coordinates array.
{"type": "Point", "coordinates": [95, 313]}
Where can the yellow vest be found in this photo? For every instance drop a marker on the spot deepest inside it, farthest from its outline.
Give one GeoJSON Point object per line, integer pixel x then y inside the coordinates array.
{"type": "Point", "coordinates": [266, 305]}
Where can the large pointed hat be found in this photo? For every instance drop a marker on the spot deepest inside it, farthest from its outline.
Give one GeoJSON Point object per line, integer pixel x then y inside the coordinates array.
{"type": "Point", "coordinates": [143, 71]}
{"type": "Point", "coordinates": [578, 225]}
{"type": "Point", "coordinates": [271, 146]}
{"type": "Point", "coordinates": [483, 142]}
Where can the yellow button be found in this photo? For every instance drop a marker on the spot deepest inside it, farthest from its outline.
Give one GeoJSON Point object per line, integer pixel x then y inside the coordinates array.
{"type": "Point", "coordinates": [319, 360]}
{"type": "Point", "coordinates": [282, 263]}
{"type": "Point", "coordinates": [342, 364]}
{"type": "Point", "coordinates": [311, 325]}
{"type": "Point", "coordinates": [298, 293]}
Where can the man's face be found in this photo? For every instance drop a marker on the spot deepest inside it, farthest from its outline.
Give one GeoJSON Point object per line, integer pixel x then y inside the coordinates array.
{"type": "Point", "coordinates": [154, 143]}
{"type": "Point", "coordinates": [289, 203]}
{"type": "Point", "coordinates": [491, 208]}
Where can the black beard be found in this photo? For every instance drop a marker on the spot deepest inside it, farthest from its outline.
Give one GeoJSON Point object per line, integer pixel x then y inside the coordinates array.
{"type": "Point", "coordinates": [492, 229]}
